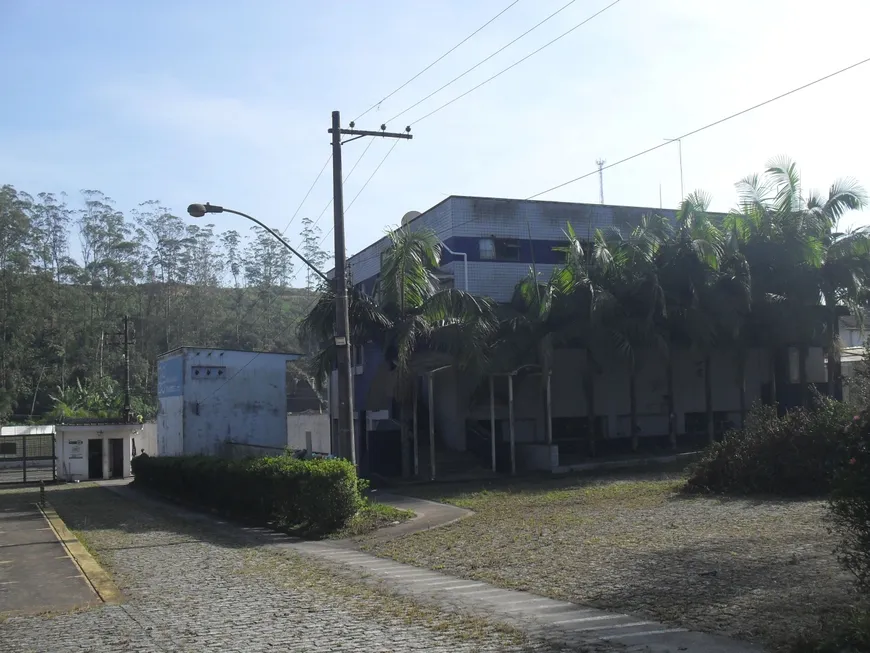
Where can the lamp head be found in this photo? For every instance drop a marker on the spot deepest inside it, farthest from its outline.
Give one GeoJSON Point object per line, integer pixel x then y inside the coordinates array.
{"type": "Point", "coordinates": [199, 210]}
{"type": "Point", "coordinates": [196, 210]}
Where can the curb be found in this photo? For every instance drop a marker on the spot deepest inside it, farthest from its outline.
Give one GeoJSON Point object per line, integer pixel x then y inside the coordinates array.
{"type": "Point", "coordinates": [97, 577]}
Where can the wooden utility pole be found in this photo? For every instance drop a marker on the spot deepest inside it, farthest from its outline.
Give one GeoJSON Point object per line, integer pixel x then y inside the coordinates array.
{"type": "Point", "coordinates": [128, 408]}
{"type": "Point", "coordinates": [346, 441]}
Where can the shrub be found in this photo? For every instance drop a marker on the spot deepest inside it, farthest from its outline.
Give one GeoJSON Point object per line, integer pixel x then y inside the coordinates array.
{"type": "Point", "coordinates": [841, 633]}
{"type": "Point", "coordinates": [312, 496]}
{"type": "Point", "coordinates": [850, 501]}
{"type": "Point", "coordinates": [793, 455]}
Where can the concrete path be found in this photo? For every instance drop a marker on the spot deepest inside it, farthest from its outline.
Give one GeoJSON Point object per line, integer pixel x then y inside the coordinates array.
{"type": "Point", "coordinates": [538, 616]}
{"type": "Point", "coordinates": [427, 515]}
{"type": "Point", "coordinates": [36, 573]}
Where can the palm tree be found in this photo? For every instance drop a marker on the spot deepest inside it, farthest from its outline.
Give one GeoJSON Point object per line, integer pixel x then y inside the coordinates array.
{"type": "Point", "coordinates": [798, 258]}
{"type": "Point", "coordinates": [583, 282]}
{"type": "Point", "coordinates": [410, 314]}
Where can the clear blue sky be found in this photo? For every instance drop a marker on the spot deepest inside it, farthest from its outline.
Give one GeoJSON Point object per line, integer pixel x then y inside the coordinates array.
{"type": "Point", "coordinates": [229, 102]}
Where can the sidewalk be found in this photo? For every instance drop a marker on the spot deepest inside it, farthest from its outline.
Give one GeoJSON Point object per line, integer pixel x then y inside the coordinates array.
{"type": "Point", "coordinates": [36, 572]}
{"type": "Point", "coordinates": [537, 616]}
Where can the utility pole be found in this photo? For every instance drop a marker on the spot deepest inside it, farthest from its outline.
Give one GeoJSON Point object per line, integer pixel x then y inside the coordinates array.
{"type": "Point", "coordinates": [346, 441]}
{"type": "Point", "coordinates": [128, 409]}
{"type": "Point", "coordinates": [601, 163]}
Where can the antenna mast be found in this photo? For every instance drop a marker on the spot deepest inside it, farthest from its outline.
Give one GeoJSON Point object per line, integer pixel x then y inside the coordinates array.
{"type": "Point", "coordinates": [601, 163]}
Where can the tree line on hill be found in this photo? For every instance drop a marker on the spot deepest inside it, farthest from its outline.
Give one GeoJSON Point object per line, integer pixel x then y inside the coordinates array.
{"type": "Point", "coordinates": [71, 268]}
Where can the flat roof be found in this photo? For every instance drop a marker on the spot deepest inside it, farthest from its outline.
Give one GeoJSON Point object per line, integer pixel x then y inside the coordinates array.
{"type": "Point", "coordinates": [178, 350]}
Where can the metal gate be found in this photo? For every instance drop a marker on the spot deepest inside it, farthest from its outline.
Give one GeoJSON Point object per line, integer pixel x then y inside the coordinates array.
{"type": "Point", "coordinates": [27, 458]}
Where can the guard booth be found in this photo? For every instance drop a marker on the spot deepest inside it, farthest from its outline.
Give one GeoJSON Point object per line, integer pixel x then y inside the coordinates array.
{"type": "Point", "coordinates": [27, 454]}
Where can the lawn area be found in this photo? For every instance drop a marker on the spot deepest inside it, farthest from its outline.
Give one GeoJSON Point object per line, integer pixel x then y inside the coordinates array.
{"type": "Point", "coordinates": [754, 569]}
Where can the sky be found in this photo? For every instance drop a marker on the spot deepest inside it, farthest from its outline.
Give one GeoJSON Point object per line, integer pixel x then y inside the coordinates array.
{"type": "Point", "coordinates": [209, 100]}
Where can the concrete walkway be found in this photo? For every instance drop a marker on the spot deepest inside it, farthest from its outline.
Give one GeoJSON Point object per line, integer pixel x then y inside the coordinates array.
{"type": "Point", "coordinates": [36, 572]}
{"type": "Point", "coordinates": [558, 621]}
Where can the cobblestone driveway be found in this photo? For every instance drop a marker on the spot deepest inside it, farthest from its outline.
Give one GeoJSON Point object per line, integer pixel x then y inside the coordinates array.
{"type": "Point", "coordinates": [195, 587]}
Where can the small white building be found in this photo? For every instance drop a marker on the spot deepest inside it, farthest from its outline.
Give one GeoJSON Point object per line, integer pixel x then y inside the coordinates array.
{"type": "Point", "coordinates": [87, 449]}
{"type": "Point", "coordinates": [221, 401]}
{"type": "Point", "coordinates": [101, 449]}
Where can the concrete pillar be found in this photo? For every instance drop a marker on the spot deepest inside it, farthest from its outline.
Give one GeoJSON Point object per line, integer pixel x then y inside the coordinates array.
{"type": "Point", "coordinates": [105, 456]}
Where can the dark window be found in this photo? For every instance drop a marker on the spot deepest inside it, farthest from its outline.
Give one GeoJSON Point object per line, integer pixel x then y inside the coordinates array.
{"type": "Point", "coordinates": [499, 249]}
{"type": "Point", "coordinates": [8, 448]}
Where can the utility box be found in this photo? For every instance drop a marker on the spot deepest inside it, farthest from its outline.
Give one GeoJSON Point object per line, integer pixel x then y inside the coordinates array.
{"type": "Point", "coordinates": [222, 401]}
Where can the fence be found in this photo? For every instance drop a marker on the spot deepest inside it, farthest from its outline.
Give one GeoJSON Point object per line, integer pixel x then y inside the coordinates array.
{"type": "Point", "coordinates": [27, 457]}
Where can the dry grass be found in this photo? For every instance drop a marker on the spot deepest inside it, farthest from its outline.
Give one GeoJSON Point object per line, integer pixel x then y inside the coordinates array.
{"type": "Point", "coordinates": [753, 569]}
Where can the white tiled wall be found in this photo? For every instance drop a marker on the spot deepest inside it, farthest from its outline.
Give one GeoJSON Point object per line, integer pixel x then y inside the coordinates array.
{"type": "Point", "coordinates": [476, 216]}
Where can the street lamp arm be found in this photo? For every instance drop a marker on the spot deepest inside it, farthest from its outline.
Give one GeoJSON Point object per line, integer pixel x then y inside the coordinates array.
{"type": "Point", "coordinates": [198, 210]}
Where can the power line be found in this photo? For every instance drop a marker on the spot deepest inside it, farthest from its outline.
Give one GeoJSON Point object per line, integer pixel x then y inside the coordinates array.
{"type": "Point", "coordinates": [346, 177]}
{"type": "Point", "coordinates": [516, 63]}
{"type": "Point", "coordinates": [359, 192]}
{"type": "Point", "coordinates": [708, 126]}
{"type": "Point", "coordinates": [387, 97]}
{"type": "Point", "coordinates": [311, 188]}
{"type": "Point", "coordinates": [652, 149]}
{"type": "Point", "coordinates": [480, 63]}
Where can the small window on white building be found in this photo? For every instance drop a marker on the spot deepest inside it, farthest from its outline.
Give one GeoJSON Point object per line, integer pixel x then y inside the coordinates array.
{"type": "Point", "coordinates": [499, 249]}
{"type": "Point", "coordinates": [487, 249]}
{"type": "Point", "coordinates": [358, 356]}
{"type": "Point", "coordinates": [8, 448]}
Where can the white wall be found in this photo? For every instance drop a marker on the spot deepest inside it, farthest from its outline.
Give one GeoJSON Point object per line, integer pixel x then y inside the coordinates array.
{"type": "Point", "coordinates": [315, 423]}
{"type": "Point", "coordinates": [208, 397]}
{"type": "Point", "coordinates": [247, 404]}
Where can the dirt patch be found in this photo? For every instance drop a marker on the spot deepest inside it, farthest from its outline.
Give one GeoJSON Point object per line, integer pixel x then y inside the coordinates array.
{"type": "Point", "coordinates": [753, 569]}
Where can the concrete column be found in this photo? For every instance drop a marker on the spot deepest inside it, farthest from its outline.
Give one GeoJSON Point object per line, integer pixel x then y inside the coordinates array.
{"type": "Point", "coordinates": [105, 456]}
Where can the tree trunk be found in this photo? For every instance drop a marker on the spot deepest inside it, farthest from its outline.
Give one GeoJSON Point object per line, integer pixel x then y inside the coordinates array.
{"type": "Point", "coordinates": [632, 396]}
{"type": "Point", "coordinates": [802, 374]}
{"type": "Point", "coordinates": [590, 401]}
{"type": "Point", "coordinates": [708, 397]}
{"type": "Point", "coordinates": [741, 385]}
{"type": "Point", "coordinates": [672, 414]}
{"type": "Point", "coordinates": [403, 431]}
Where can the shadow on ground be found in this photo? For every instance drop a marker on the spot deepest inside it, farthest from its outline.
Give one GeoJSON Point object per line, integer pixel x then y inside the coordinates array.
{"type": "Point", "coordinates": [85, 508]}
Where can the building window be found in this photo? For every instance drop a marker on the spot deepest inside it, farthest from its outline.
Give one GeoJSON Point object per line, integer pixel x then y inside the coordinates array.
{"type": "Point", "coordinates": [8, 448]}
{"type": "Point", "coordinates": [499, 249]}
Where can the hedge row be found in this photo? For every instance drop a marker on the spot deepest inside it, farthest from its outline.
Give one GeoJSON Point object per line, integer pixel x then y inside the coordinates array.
{"type": "Point", "coordinates": [312, 496]}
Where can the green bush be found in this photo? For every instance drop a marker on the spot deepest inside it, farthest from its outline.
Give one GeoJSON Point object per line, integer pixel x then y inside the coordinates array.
{"type": "Point", "coordinates": [311, 496]}
{"type": "Point", "coordinates": [844, 633]}
{"type": "Point", "coordinates": [793, 455]}
{"type": "Point", "coordinates": [850, 501]}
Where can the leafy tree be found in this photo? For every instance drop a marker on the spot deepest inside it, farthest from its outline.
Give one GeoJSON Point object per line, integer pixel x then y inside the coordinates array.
{"type": "Point", "coordinates": [312, 251]}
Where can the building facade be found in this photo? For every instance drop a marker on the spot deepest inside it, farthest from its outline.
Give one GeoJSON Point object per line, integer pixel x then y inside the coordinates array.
{"type": "Point", "coordinates": [489, 245]}
{"type": "Point", "coordinates": [213, 400]}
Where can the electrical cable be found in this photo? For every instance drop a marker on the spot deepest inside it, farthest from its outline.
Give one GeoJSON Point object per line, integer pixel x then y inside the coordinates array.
{"type": "Point", "coordinates": [700, 129]}
{"type": "Point", "coordinates": [387, 97]}
{"type": "Point", "coordinates": [516, 63]}
{"type": "Point", "coordinates": [664, 144]}
{"type": "Point", "coordinates": [483, 61]}
{"type": "Point", "coordinates": [311, 188]}
{"type": "Point", "coordinates": [359, 192]}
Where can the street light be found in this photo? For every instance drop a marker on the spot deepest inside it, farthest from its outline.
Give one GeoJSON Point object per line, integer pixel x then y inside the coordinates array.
{"type": "Point", "coordinates": [199, 210]}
